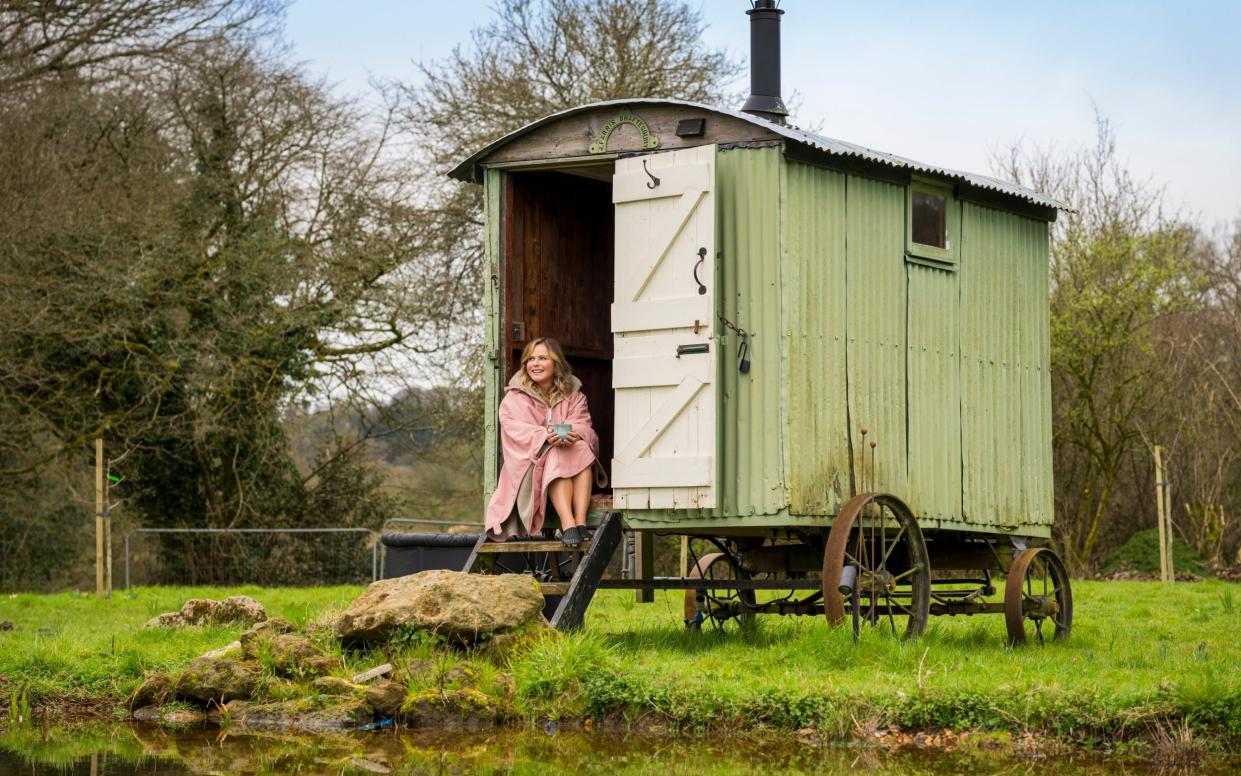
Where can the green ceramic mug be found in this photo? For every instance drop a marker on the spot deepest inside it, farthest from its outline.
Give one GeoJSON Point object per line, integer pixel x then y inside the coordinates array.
{"type": "Point", "coordinates": [562, 429]}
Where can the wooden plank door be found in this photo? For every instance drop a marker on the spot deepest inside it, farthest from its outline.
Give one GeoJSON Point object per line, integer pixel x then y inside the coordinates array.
{"type": "Point", "coordinates": [663, 372]}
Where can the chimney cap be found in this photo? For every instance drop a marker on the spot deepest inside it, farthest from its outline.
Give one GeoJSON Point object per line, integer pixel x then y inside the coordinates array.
{"type": "Point", "coordinates": [764, 100]}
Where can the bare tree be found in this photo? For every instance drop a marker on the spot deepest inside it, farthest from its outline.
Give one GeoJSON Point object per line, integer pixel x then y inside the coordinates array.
{"type": "Point", "coordinates": [1122, 271]}
{"type": "Point", "coordinates": [534, 59]}
{"type": "Point", "coordinates": [84, 38]}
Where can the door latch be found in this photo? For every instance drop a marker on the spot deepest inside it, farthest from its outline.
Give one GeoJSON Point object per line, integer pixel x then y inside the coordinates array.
{"type": "Point", "coordinates": [692, 350]}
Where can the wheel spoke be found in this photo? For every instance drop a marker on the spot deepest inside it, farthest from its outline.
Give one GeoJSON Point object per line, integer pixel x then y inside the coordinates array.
{"type": "Point", "coordinates": [888, 551]}
{"type": "Point", "coordinates": [903, 609]}
{"type": "Point", "coordinates": [905, 573]}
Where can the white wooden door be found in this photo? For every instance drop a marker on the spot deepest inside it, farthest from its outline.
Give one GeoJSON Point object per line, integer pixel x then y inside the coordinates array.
{"type": "Point", "coordinates": [664, 455]}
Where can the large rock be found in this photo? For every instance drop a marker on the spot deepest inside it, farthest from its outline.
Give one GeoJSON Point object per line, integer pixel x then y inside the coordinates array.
{"type": "Point", "coordinates": [196, 612]}
{"type": "Point", "coordinates": [456, 605]}
{"type": "Point", "coordinates": [209, 679]}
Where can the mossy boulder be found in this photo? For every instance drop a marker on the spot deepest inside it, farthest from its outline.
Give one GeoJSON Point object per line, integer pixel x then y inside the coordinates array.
{"type": "Point", "coordinates": [304, 715]}
{"type": "Point", "coordinates": [207, 679]}
{"type": "Point", "coordinates": [464, 708]}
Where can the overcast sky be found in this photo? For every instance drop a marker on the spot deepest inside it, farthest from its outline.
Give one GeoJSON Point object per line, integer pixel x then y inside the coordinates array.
{"type": "Point", "coordinates": [945, 83]}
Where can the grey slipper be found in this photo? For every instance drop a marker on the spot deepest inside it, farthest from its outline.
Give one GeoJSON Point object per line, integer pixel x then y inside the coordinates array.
{"type": "Point", "coordinates": [571, 536]}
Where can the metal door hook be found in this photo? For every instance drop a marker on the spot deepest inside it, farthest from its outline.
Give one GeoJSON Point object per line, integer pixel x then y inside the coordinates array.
{"type": "Point", "coordinates": [653, 180]}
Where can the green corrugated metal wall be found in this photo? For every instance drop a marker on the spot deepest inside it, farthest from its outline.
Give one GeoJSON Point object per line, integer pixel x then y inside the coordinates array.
{"type": "Point", "coordinates": [934, 392]}
{"type": "Point", "coordinates": [492, 379]}
{"type": "Point", "coordinates": [750, 437]}
{"type": "Point", "coordinates": [814, 257]}
{"type": "Point", "coordinates": [750, 432]}
{"type": "Point", "coordinates": [875, 288]}
{"type": "Point", "coordinates": [813, 262]}
{"type": "Point", "coordinates": [1005, 352]}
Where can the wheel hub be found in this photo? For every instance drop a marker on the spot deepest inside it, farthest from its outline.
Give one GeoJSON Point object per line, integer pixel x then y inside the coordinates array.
{"type": "Point", "coordinates": [877, 582]}
{"type": "Point", "coordinates": [1041, 607]}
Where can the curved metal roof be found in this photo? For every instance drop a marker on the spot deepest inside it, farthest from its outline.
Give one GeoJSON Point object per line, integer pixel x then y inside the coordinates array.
{"type": "Point", "coordinates": [467, 170]}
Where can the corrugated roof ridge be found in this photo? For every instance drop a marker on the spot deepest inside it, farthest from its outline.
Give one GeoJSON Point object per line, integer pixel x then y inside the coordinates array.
{"type": "Point", "coordinates": [464, 170]}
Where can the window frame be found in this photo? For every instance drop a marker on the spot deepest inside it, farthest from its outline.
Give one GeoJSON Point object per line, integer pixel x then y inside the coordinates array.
{"type": "Point", "coordinates": [932, 254]}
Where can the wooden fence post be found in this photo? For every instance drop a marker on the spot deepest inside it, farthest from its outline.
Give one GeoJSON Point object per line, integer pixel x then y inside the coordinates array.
{"type": "Point", "coordinates": [1159, 509]}
{"type": "Point", "coordinates": [99, 508]}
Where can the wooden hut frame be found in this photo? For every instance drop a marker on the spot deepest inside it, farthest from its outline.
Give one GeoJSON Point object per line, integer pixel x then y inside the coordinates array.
{"type": "Point", "coordinates": [664, 243]}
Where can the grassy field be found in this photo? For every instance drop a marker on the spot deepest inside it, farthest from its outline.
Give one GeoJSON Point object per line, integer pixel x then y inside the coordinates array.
{"type": "Point", "coordinates": [1143, 658]}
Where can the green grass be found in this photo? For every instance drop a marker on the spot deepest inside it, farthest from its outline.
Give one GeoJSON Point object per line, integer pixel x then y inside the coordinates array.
{"type": "Point", "coordinates": [74, 647]}
{"type": "Point", "coordinates": [1142, 654]}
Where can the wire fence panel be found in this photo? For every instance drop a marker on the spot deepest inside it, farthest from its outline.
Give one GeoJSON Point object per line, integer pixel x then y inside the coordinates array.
{"type": "Point", "coordinates": [272, 557]}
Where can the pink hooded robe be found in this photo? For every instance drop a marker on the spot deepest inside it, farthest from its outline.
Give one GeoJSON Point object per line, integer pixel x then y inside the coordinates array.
{"type": "Point", "coordinates": [524, 418]}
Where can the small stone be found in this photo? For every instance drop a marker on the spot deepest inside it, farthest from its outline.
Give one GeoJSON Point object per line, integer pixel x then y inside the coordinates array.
{"type": "Point", "coordinates": [167, 620]}
{"type": "Point", "coordinates": [373, 673]}
{"type": "Point", "coordinates": [240, 610]}
{"type": "Point", "coordinates": [320, 665]}
{"type": "Point", "coordinates": [386, 697]}
{"type": "Point", "coordinates": [235, 610]}
{"type": "Point", "coordinates": [264, 631]}
{"type": "Point", "coordinates": [154, 690]}
{"type": "Point", "coordinates": [290, 653]}
{"type": "Point", "coordinates": [218, 680]}
{"type": "Point", "coordinates": [183, 717]}
{"type": "Point", "coordinates": [335, 685]}
{"type": "Point", "coordinates": [230, 650]}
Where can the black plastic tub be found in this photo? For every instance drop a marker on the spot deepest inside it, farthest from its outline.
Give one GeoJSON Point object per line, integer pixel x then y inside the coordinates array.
{"type": "Point", "coordinates": [409, 553]}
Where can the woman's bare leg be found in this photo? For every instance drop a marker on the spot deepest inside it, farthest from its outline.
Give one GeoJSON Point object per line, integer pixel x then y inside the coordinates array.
{"type": "Point", "coordinates": [560, 491]}
{"type": "Point", "coordinates": [581, 495]}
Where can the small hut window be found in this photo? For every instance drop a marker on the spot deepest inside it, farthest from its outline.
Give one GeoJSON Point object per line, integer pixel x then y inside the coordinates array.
{"type": "Point", "coordinates": [932, 218]}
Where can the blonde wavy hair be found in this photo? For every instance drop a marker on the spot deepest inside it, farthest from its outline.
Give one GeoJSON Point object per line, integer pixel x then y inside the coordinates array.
{"type": "Point", "coordinates": [561, 371]}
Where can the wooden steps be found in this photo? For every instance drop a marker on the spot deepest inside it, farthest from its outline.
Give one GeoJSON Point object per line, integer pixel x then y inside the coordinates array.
{"type": "Point", "coordinates": [570, 574]}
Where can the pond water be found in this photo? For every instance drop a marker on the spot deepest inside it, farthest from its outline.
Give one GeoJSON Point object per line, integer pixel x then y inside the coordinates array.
{"type": "Point", "coordinates": [127, 750]}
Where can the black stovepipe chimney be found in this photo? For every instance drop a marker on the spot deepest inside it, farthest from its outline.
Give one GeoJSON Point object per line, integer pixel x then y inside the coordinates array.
{"type": "Point", "coordinates": [764, 100]}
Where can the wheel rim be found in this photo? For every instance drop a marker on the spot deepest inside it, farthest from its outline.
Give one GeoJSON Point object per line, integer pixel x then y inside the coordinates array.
{"type": "Point", "coordinates": [1037, 597]}
{"type": "Point", "coordinates": [719, 606]}
{"type": "Point", "coordinates": [878, 534]}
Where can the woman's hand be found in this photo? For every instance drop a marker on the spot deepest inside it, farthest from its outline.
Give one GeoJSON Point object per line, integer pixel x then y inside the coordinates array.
{"type": "Point", "coordinates": [573, 438]}
{"type": "Point", "coordinates": [553, 438]}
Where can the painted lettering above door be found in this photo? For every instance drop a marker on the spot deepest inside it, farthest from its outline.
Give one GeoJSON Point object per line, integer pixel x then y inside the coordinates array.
{"type": "Point", "coordinates": [625, 116]}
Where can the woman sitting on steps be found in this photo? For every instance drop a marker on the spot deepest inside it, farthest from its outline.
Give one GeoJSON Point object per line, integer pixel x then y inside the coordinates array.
{"type": "Point", "coordinates": [550, 448]}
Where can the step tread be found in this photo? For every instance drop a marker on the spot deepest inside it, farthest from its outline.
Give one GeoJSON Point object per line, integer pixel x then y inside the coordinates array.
{"type": "Point", "coordinates": [550, 546]}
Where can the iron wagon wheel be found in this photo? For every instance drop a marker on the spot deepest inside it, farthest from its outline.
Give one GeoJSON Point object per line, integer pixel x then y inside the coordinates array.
{"type": "Point", "coordinates": [718, 605]}
{"type": "Point", "coordinates": [1037, 590]}
{"type": "Point", "coordinates": [890, 576]}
